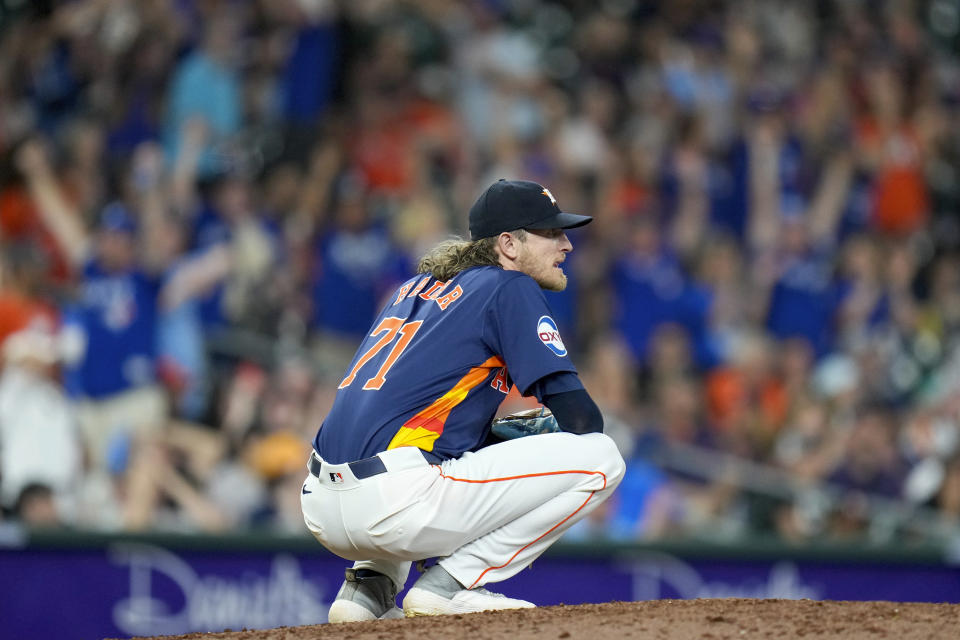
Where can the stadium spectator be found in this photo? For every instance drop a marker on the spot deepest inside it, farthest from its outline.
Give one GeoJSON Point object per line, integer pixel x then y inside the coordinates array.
{"type": "Point", "coordinates": [40, 442]}
{"type": "Point", "coordinates": [357, 263]}
{"type": "Point", "coordinates": [203, 188]}
{"type": "Point", "coordinates": [36, 507]}
{"type": "Point", "coordinates": [206, 85]}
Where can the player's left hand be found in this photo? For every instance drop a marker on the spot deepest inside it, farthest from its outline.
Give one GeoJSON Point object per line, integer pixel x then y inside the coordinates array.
{"type": "Point", "coordinates": [525, 423]}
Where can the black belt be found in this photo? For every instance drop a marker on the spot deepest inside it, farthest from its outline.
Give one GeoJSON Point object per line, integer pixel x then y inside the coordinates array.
{"type": "Point", "coordinates": [367, 467]}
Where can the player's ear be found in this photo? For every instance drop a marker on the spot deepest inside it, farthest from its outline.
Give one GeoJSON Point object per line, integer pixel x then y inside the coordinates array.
{"type": "Point", "coordinates": [509, 245]}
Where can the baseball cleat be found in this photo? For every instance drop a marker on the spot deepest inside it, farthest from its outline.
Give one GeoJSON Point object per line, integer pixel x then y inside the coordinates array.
{"type": "Point", "coordinates": [365, 595]}
{"type": "Point", "coordinates": [348, 611]}
{"type": "Point", "coordinates": [421, 602]}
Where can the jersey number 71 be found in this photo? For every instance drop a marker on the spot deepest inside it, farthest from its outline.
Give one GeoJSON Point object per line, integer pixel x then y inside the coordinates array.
{"type": "Point", "coordinates": [390, 327]}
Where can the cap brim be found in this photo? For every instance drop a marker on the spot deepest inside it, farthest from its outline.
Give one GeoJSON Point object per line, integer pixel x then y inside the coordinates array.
{"type": "Point", "coordinates": [561, 221]}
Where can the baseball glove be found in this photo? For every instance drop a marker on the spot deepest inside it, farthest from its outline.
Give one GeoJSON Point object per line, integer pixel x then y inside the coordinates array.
{"type": "Point", "coordinates": [525, 423]}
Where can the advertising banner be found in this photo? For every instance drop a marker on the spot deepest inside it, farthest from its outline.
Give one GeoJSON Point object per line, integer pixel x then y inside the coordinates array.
{"type": "Point", "coordinates": [130, 589]}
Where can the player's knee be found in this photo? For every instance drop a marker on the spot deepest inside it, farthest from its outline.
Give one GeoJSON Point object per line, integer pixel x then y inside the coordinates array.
{"type": "Point", "coordinates": [605, 456]}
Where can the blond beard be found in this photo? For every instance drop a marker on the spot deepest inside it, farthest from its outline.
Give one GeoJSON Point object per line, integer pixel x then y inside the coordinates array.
{"type": "Point", "coordinates": [546, 278]}
{"type": "Point", "coordinates": [555, 284]}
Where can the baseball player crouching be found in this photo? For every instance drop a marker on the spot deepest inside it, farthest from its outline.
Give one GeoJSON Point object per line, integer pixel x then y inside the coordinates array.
{"type": "Point", "coordinates": [404, 466]}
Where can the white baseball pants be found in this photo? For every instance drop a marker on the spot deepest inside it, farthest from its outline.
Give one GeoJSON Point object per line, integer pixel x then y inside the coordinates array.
{"type": "Point", "coordinates": [486, 515]}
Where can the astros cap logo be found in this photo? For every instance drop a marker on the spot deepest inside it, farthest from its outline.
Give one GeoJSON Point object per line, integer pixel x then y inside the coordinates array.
{"type": "Point", "coordinates": [547, 193]}
{"type": "Point", "coordinates": [550, 336]}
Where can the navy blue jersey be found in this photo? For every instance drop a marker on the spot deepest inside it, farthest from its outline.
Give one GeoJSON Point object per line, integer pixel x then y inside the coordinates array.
{"type": "Point", "coordinates": [804, 299]}
{"type": "Point", "coordinates": [118, 315]}
{"type": "Point", "coordinates": [438, 362]}
{"type": "Point", "coordinates": [355, 271]}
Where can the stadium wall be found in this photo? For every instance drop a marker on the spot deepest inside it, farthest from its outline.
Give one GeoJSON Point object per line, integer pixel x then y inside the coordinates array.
{"type": "Point", "coordinates": [85, 586]}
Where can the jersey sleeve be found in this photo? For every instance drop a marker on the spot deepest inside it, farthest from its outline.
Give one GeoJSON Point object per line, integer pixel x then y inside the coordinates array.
{"type": "Point", "coordinates": [554, 383]}
{"type": "Point", "coordinates": [521, 330]}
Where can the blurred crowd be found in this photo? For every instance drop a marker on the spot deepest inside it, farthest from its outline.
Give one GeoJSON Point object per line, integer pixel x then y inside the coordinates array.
{"type": "Point", "coordinates": [204, 202]}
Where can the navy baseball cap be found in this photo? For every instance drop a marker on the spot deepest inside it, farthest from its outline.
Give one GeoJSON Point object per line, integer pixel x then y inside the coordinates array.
{"type": "Point", "coordinates": [507, 205]}
{"type": "Point", "coordinates": [117, 218]}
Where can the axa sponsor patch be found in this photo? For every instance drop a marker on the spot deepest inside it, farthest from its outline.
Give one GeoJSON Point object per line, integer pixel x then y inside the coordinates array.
{"type": "Point", "coordinates": [549, 335]}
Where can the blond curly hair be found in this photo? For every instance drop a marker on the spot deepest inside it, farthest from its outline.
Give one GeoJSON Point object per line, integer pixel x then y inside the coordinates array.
{"type": "Point", "coordinates": [450, 257]}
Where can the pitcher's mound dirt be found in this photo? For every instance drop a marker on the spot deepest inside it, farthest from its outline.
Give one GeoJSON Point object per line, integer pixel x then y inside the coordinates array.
{"type": "Point", "coordinates": [656, 620]}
